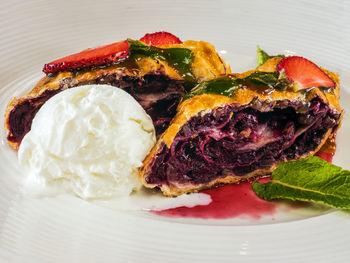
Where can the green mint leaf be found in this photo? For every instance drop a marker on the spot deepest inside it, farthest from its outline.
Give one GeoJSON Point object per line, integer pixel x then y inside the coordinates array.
{"type": "Point", "coordinates": [262, 56]}
{"type": "Point", "coordinates": [311, 179]}
{"type": "Point", "coordinates": [221, 86]}
{"type": "Point", "coordinates": [179, 58]}
{"type": "Point", "coordinates": [266, 78]}
{"type": "Point", "coordinates": [226, 86]}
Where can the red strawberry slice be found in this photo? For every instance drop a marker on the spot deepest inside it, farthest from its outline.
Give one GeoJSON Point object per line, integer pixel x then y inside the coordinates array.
{"type": "Point", "coordinates": [160, 38]}
{"type": "Point", "coordinates": [304, 72]}
{"type": "Point", "coordinates": [91, 57]}
{"type": "Point", "coordinates": [325, 156]}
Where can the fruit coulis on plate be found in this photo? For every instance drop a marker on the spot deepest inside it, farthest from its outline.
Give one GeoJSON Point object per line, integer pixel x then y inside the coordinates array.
{"type": "Point", "coordinates": [228, 201]}
{"type": "Point", "coordinates": [238, 200]}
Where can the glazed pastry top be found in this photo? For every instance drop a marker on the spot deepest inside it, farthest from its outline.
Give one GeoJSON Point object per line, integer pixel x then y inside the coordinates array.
{"type": "Point", "coordinates": [204, 64]}
{"type": "Point", "coordinates": [201, 104]}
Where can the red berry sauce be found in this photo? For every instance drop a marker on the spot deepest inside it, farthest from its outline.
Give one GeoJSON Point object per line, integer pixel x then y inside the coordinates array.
{"type": "Point", "coordinates": [238, 200]}
{"type": "Point", "coordinates": [228, 201]}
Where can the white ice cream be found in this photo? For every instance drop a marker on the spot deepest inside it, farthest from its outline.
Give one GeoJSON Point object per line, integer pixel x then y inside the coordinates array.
{"type": "Point", "coordinates": [88, 140]}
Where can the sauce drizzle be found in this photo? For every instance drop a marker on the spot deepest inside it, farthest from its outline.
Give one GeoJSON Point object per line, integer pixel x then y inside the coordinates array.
{"type": "Point", "coordinates": [228, 201]}
{"type": "Point", "coordinates": [238, 200]}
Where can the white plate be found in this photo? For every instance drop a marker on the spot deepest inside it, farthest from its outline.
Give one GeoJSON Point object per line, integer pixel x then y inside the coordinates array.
{"type": "Point", "coordinates": [67, 229]}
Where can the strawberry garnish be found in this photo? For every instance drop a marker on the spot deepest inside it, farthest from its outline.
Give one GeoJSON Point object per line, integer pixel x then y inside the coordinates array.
{"type": "Point", "coordinates": [304, 72]}
{"type": "Point", "coordinates": [325, 156]}
{"type": "Point", "coordinates": [91, 57]}
{"type": "Point", "coordinates": [160, 38]}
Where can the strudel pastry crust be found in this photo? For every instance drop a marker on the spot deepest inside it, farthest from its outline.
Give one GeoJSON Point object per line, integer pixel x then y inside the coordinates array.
{"type": "Point", "coordinates": [201, 105]}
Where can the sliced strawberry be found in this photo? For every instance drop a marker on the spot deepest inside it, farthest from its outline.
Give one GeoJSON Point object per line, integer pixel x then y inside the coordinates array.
{"type": "Point", "coordinates": [306, 73]}
{"type": "Point", "coordinates": [91, 57]}
{"type": "Point", "coordinates": [325, 156]}
{"type": "Point", "coordinates": [160, 38]}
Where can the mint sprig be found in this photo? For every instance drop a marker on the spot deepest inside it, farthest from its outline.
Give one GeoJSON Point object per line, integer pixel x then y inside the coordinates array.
{"type": "Point", "coordinates": [262, 56]}
{"type": "Point", "coordinates": [179, 58]}
{"type": "Point", "coordinates": [226, 86]}
{"type": "Point", "coordinates": [311, 179]}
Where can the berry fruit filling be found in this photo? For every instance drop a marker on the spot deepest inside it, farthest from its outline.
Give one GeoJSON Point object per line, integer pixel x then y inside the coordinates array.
{"type": "Point", "coordinates": [157, 93]}
{"type": "Point", "coordinates": [237, 140]}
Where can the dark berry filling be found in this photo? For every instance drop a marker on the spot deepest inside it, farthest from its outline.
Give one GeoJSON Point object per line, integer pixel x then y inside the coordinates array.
{"type": "Point", "coordinates": [21, 117]}
{"type": "Point", "coordinates": [240, 139]}
{"type": "Point", "coordinates": [157, 93]}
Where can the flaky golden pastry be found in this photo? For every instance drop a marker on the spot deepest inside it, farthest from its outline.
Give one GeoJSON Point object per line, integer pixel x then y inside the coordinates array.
{"type": "Point", "coordinates": [187, 137]}
{"type": "Point", "coordinates": [134, 75]}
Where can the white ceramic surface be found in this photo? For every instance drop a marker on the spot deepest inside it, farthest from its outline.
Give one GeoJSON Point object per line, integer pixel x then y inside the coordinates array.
{"type": "Point", "coordinates": [67, 229]}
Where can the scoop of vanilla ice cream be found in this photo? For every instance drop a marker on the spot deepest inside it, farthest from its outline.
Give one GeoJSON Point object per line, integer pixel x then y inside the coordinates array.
{"type": "Point", "coordinates": [90, 140]}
